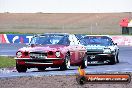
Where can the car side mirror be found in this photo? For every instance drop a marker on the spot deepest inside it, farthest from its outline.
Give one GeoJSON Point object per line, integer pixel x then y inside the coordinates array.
{"type": "Point", "coordinates": [115, 43]}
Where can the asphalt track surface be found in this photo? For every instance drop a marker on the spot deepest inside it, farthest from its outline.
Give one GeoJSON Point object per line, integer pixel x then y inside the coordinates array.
{"type": "Point", "coordinates": [125, 65]}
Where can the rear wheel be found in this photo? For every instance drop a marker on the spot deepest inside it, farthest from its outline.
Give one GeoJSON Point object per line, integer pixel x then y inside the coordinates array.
{"type": "Point", "coordinates": [21, 68]}
{"type": "Point", "coordinates": [66, 64]}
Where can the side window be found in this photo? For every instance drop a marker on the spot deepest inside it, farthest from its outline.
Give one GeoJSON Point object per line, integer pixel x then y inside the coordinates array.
{"type": "Point", "coordinates": [112, 42]}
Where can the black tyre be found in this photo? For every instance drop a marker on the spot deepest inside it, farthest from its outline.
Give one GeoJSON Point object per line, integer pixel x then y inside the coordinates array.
{"type": "Point", "coordinates": [21, 68]}
{"type": "Point", "coordinates": [66, 64]}
{"type": "Point", "coordinates": [112, 60]}
{"type": "Point", "coordinates": [117, 58]}
{"type": "Point", "coordinates": [84, 62]}
{"type": "Point", "coordinates": [41, 68]}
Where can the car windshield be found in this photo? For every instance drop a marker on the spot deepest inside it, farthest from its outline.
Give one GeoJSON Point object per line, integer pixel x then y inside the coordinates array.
{"type": "Point", "coordinates": [96, 40]}
{"type": "Point", "coordinates": [50, 39]}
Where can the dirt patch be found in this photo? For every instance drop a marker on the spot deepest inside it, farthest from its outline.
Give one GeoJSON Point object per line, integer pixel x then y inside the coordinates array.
{"type": "Point", "coordinates": [90, 23]}
{"type": "Point", "coordinates": [53, 82]}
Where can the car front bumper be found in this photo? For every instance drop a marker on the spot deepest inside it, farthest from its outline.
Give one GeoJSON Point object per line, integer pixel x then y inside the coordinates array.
{"type": "Point", "coordinates": [99, 58]}
{"type": "Point", "coordinates": [47, 62]}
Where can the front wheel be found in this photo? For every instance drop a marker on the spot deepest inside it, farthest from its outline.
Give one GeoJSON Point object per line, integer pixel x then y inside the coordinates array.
{"type": "Point", "coordinates": [84, 62]}
{"type": "Point", "coordinates": [66, 64]}
{"type": "Point", "coordinates": [112, 60]}
{"type": "Point", "coordinates": [21, 68]}
{"type": "Point", "coordinates": [117, 58]}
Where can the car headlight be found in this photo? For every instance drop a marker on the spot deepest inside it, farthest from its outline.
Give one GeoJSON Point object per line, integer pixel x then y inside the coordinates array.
{"type": "Point", "coordinates": [107, 50]}
{"type": "Point", "coordinates": [19, 54]}
{"type": "Point", "coordinates": [57, 54]}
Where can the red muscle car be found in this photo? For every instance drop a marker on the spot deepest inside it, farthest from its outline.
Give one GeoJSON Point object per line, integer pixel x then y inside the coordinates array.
{"type": "Point", "coordinates": [51, 50]}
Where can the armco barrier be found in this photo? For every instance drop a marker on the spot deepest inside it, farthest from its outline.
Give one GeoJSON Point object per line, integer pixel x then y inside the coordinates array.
{"type": "Point", "coordinates": [15, 38]}
{"type": "Point", "coordinates": [2, 39]}
{"type": "Point", "coordinates": [25, 38]}
{"type": "Point", "coordinates": [122, 40]}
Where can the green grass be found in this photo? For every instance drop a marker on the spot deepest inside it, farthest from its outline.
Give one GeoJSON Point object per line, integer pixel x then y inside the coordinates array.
{"type": "Point", "coordinates": [14, 33]}
{"type": "Point", "coordinates": [7, 62]}
{"type": "Point", "coordinates": [74, 33]}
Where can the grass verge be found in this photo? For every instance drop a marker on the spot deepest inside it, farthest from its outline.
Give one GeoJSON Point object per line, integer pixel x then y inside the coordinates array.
{"type": "Point", "coordinates": [15, 33]}
{"type": "Point", "coordinates": [7, 62]}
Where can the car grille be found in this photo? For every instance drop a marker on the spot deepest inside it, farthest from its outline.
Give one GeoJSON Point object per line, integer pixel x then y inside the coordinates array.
{"type": "Point", "coordinates": [38, 55]}
{"type": "Point", "coordinates": [94, 52]}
